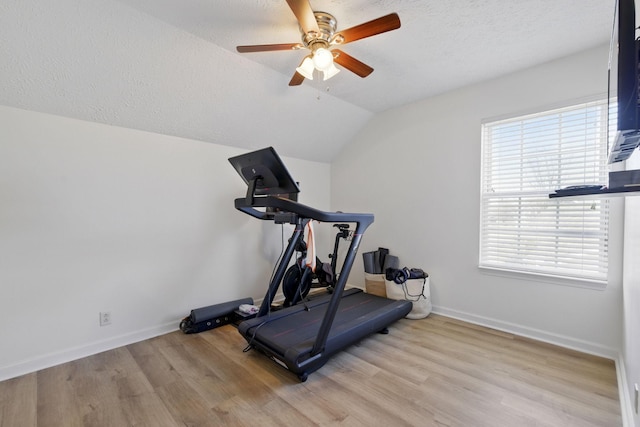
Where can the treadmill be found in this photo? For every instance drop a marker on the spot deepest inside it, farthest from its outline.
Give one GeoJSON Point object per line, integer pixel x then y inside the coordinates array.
{"type": "Point", "coordinates": [303, 337]}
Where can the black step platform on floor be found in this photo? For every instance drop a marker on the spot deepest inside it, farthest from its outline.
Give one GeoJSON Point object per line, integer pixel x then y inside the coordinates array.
{"type": "Point", "coordinates": [304, 336]}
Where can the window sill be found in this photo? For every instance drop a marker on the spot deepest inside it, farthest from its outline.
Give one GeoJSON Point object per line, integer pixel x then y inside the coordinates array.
{"type": "Point", "coordinates": [544, 278]}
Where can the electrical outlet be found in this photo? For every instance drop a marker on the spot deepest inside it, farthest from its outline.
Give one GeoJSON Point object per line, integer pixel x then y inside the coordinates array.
{"type": "Point", "coordinates": [105, 318]}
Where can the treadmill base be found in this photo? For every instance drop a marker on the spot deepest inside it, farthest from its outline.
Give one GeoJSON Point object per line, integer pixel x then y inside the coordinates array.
{"type": "Point", "coordinates": [289, 335]}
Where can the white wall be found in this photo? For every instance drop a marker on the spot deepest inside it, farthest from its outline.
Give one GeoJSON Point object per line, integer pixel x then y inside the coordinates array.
{"type": "Point", "coordinates": [99, 218]}
{"type": "Point", "coordinates": [417, 168]}
{"type": "Point", "coordinates": [631, 281]}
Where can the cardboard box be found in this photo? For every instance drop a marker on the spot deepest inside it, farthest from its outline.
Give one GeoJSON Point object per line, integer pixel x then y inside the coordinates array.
{"type": "Point", "coordinates": [375, 285]}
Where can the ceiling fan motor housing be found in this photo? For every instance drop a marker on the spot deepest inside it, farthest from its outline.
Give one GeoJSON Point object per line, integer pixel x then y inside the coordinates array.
{"type": "Point", "coordinates": [327, 25]}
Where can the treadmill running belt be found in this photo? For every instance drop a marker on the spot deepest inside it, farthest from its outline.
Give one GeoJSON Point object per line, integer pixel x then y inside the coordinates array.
{"type": "Point", "coordinates": [292, 334]}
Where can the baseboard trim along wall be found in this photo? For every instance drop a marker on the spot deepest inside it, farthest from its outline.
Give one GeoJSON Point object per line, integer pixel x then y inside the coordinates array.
{"type": "Point", "coordinates": [64, 356]}
{"type": "Point", "coordinates": [536, 334]}
{"type": "Point", "coordinates": [626, 405]}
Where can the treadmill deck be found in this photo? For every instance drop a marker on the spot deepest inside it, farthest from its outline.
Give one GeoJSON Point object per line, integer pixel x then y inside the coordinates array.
{"type": "Point", "coordinates": [290, 334]}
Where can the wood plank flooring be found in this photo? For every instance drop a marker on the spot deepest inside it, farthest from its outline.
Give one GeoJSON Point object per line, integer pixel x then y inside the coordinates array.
{"type": "Point", "coordinates": [432, 372]}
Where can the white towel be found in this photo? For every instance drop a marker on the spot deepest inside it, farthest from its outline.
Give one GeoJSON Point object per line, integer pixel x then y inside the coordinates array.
{"type": "Point", "coordinates": [310, 260]}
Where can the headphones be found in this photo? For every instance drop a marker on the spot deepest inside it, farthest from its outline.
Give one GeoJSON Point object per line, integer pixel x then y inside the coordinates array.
{"type": "Point", "coordinates": [400, 276]}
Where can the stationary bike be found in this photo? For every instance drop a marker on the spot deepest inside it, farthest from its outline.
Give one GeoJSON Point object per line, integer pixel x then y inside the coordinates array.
{"type": "Point", "coordinates": [299, 279]}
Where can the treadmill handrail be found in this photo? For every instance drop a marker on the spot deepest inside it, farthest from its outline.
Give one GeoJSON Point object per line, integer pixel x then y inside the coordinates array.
{"type": "Point", "coordinates": [304, 211]}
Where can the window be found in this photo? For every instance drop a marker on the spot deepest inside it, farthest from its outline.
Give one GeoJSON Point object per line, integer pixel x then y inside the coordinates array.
{"type": "Point", "coordinates": [523, 160]}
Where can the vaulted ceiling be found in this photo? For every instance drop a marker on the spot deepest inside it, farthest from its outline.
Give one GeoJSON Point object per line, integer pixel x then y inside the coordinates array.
{"type": "Point", "coordinates": [170, 66]}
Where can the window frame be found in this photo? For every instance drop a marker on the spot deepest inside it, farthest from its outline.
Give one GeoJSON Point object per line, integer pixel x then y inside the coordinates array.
{"type": "Point", "coordinates": [545, 274]}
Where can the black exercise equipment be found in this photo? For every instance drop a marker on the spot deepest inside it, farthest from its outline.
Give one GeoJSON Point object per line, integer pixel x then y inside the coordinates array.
{"type": "Point", "coordinates": [299, 278]}
{"type": "Point", "coordinates": [303, 337]}
{"type": "Point", "coordinates": [213, 316]}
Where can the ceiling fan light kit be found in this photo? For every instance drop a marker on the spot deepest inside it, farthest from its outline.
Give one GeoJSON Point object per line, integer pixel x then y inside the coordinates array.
{"type": "Point", "coordinates": [306, 68]}
{"type": "Point", "coordinates": [322, 60]}
{"type": "Point", "coordinates": [319, 35]}
{"type": "Point", "coordinates": [331, 71]}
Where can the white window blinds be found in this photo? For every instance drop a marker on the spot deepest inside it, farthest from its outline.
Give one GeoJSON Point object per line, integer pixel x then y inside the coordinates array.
{"type": "Point", "coordinates": [525, 159]}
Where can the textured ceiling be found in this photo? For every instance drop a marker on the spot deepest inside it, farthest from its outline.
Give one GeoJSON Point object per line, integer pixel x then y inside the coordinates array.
{"type": "Point", "coordinates": [170, 66]}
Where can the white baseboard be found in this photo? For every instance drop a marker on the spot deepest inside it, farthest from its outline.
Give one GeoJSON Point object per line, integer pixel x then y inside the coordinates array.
{"type": "Point", "coordinates": [626, 405]}
{"type": "Point", "coordinates": [536, 334]}
{"type": "Point", "coordinates": [57, 358]}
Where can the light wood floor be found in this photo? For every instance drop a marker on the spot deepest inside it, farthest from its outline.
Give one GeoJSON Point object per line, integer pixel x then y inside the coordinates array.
{"type": "Point", "coordinates": [431, 372]}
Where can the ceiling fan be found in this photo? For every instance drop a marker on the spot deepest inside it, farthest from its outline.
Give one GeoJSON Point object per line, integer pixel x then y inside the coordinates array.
{"type": "Point", "coordinates": [319, 35]}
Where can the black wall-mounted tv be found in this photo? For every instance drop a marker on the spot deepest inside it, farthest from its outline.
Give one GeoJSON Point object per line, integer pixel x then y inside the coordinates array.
{"type": "Point", "coordinates": [627, 136]}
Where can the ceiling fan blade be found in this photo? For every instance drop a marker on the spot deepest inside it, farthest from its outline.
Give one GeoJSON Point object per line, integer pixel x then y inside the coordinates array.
{"type": "Point", "coordinates": [351, 63]}
{"type": "Point", "coordinates": [304, 14]}
{"type": "Point", "coordinates": [269, 47]}
{"type": "Point", "coordinates": [297, 79]}
{"type": "Point", "coordinates": [368, 29]}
